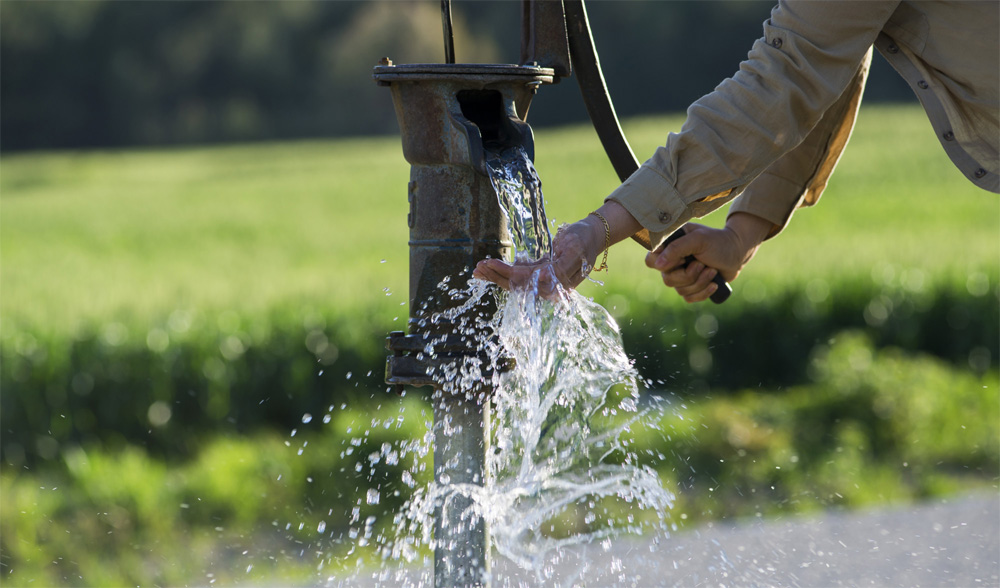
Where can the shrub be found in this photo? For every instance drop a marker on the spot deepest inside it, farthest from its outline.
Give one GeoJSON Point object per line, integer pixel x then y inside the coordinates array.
{"type": "Point", "coordinates": [166, 389]}
{"type": "Point", "coordinates": [875, 426]}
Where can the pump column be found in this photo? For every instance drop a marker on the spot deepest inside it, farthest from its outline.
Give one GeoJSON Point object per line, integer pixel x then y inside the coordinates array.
{"type": "Point", "coordinates": [446, 113]}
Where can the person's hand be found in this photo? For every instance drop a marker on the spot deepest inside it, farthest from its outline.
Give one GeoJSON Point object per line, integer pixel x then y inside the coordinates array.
{"type": "Point", "coordinates": [725, 251]}
{"type": "Point", "coordinates": [574, 250]}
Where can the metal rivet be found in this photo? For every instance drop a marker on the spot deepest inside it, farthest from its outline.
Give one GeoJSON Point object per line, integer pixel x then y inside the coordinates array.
{"type": "Point", "coordinates": [922, 85]}
{"type": "Point", "coordinates": [665, 217]}
{"type": "Point", "coordinates": [980, 173]}
{"type": "Point", "coordinates": [776, 43]}
{"type": "Point", "coordinates": [949, 136]}
{"type": "Point", "coordinates": [893, 48]}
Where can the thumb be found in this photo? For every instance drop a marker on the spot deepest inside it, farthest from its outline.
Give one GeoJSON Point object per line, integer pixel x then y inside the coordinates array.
{"type": "Point", "coordinates": [674, 253]}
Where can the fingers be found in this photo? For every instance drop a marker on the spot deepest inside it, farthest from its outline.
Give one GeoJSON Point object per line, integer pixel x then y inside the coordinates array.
{"type": "Point", "coordinates": [540, 277]}
{"type": "Point", "coordinates": [651, 258]}
{"type": "Point", "coordinates": [494, 270]}
{"type": "Point", "coordinates": [570, 254]}
{"type": "Point", "coordinates": [674, 254]}
{"type": "Point", "coordinates": [693, 283]}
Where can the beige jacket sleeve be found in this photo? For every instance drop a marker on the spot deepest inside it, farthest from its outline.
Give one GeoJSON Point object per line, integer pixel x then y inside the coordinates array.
{"type": "Point", "coordinates": [799, 177]}
{"type": "Point", "coordinates": [792, 84]}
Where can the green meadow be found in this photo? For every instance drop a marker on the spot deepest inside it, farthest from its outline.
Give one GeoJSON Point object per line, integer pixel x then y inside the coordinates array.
{"type": "Point", "coordinates": [133, 236]}
{"type": "Point", "coordinates": [169, 318]}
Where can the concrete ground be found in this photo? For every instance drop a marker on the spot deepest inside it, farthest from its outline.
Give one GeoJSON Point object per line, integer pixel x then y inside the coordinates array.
{"type": "Point", "coordinates": [951, 542]}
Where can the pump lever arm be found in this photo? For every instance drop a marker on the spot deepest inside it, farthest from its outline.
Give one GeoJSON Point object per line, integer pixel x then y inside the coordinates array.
{"type": "Point", "coordinates": [595, 95]}
{"type": "Point", "coordinates": [449, 34]}
{"type": "Point", "coordinates": [587, 67]}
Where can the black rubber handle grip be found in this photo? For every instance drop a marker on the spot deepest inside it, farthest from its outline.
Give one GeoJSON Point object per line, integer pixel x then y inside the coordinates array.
{"type": "Point", "coordinates": [723, 291]}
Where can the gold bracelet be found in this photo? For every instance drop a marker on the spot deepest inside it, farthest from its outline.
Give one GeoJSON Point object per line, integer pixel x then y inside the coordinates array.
{"type": "Point", "coordinates": [607, 241]}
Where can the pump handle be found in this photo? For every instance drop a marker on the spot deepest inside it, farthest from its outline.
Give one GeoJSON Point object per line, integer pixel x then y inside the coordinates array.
{"type": "Point", "coordinates": [723, 291]}
{"type": "Point", "coordinates": [448, 29]}
{"type": "Point", "coordinates": [596, 98]}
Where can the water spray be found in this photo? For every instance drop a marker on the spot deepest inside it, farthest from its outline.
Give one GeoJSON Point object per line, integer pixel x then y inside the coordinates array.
{"type": "Point", "coordinates": [451, 116]}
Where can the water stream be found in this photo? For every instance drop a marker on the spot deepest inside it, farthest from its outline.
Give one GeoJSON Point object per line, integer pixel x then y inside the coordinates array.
{"type": "Point", "coordinates": [560, 473]}
{"type": "Point", "coordinates": [562, 418]}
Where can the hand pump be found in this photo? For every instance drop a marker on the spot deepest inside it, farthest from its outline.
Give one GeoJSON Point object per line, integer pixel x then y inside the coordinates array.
{"type": "Point", "coordinates": [446, 112]}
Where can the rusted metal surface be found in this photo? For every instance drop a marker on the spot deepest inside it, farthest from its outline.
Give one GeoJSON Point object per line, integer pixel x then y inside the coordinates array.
{"type": "Point", "coordinates": [544, 39]}
{"type": "Point", "coordinates": [517, 85]}
{"type": "Point", "coordinates": [410, 365]}
{"type": "Point", "coordinates": [447, 115]}
{"type": "Point", "coordinates": [461, 541]}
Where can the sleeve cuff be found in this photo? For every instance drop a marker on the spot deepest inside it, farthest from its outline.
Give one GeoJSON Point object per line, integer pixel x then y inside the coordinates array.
{"type": "Point", "coordinates": [653, 201]}
{"type": "Point", "coordinates": [771, 198]}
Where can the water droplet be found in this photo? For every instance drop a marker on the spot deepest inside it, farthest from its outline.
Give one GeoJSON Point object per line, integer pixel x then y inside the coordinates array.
{"type": "Point", "coordinates": [321, 527]}
{"type": "Point", "coordinates": [307, 418]}
{"type": "Point", "coordinates": [373, 496]}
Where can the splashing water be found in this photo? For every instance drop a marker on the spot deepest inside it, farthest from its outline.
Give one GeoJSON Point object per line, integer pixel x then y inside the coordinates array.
{"type": "Point", "coordinates": [559, 471]}
{"type": "Point", "coordinates": [519, 192]}
{"type": "Point", "coordinates": [561, 423]}
{"type": "Point", "coordinates": [562, 417]}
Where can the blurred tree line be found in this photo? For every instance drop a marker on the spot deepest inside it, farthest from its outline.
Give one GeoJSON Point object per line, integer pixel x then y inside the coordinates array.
{"type": "Point", "coordinates": [102, 73]}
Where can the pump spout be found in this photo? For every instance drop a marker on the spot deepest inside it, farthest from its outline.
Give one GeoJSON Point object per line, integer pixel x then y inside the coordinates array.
{"type": "Point", "coordinates": [488, 121]}
{"type": "Point", "coordinates": [447, 112]}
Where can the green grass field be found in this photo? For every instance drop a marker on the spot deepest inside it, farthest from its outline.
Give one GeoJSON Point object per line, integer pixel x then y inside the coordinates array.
{"type": "Point", "coordinates": [87, 238]}
{"type": "Point", "coordinates": [198, 279]}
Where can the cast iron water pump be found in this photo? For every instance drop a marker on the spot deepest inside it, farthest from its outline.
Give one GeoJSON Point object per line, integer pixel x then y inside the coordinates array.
{"type": "Point", "coordinates": [447, 114]}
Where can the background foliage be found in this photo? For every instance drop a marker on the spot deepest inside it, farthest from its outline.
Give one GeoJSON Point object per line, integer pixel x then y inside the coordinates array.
{"type": "Point", "coordinates": [192, 351]}
{"type": "Point", "coordinates": [104, 73]}
{"type": "Point", "coordinates": [191, 356]}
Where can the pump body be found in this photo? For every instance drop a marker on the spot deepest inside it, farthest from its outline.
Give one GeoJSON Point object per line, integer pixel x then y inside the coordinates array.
{"type": "Point", "coordinates": [448, 116]}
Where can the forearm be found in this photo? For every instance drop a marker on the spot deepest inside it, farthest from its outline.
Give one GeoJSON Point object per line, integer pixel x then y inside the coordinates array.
{"type": "Point", "coordinates": [750, 231]}
{"type": "Point", "coordinates": [809, 56]}
{"type": "Point", "coordinates": [621, 226]}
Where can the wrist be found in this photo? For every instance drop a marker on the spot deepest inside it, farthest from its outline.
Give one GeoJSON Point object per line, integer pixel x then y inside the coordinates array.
{"type": "Point", "coordinates": [622, 224]}
{"type": "Point", "coordinates": [597, 237]}
{"type": "Point", "coordinates": [750, 230]}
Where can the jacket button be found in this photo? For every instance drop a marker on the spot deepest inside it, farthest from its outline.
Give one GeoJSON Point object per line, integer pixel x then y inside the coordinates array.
{"type": "Point", "coordinates": [776, 43]}
{"type": "Point", "coordinates": [665, 217]}
{"type": "Point", "coordinates": [922, 85]}
{"type": "Point", "coordinates": [893, 48]}
{"type": "Point", "coordinates": [980, 173]}
{"type": "Point", "coordinates": [949, 136]}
